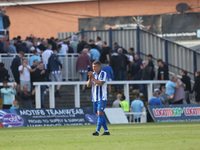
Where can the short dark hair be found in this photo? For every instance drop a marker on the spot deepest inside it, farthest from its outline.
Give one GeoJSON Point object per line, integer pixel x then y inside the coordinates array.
{"type": "Point", "coordinates": [150, 56]}
{"type": "Point", "coordinates": [185, 72]}
{"type": "Point", "coordinates": [123, 97]}
{"type": "Point", "coordinates": [99, 38]}
{"type": "Point", "coordinates": [5, 81]}
{"type": "Point", "coordinates": [159, 60]}
{"type": "Point", "coordinates": [137, 95]}
{"type": "Point", "coordinates": [132, 49]}
{"type": "Point", "coordinates": [97, 62]}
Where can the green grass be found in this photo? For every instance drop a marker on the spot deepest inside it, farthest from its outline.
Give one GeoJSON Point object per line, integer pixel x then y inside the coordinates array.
{"type": "Point", "coordinates": [150, 136]}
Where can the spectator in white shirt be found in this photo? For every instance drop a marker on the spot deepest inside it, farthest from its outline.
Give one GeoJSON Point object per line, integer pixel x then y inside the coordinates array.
{"type": "Point", "coordinates": [46, 54]}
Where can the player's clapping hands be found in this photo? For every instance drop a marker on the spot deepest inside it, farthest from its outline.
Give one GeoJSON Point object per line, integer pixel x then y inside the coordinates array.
{"type": "Point", "coordinates": [90, 74]}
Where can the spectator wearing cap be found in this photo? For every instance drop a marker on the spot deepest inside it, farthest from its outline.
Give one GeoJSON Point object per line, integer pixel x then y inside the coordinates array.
{"type": "Point", "coordinates": [14, 67]}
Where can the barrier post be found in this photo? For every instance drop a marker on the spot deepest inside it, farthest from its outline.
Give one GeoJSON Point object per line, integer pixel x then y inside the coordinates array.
{"type": "Point", "coordinates": [110, 37]}
{"type": "Point", "coordinates": [166, 52]}
{"type": "Point", "coordinates": [77, 95]}
{"type": "Point", "coordinates": [52, 96]}
{"type": "Point", "coordinates": [195, 62]}
{"type": "Point", "coordinates": [37, 96]}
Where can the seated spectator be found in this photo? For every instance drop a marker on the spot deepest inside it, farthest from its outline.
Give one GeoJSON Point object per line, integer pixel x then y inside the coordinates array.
{"type": "Point", "coordinates": [6, 93]}
{"type": "Point", "coordinates": [4, 76]}
{"type": "Point", "coordinates": [27, 98]}
{"type": "Point", "coordinates": [110, 75]}
{"type": "Point", "coordinates": [117, 101]}
{"type": "Point", "coordinates": [124, 104]}
{"type": "Point", "coordinates": [155, 100]}
{"type": "Point", "coordinates": [83, 63]}
{"type": "Point", "coordinates": [15, 105]}
{"type": "Point", "coordinates": [164, 97]}
{"type": "Point", "coordinates": [137, 106]}
{"type": "Point", "coordinates": [186, 80]}
{"type": "Point", "coordinates": [179, 94]}
{"type": "Point", "coordinates": [34, 57]}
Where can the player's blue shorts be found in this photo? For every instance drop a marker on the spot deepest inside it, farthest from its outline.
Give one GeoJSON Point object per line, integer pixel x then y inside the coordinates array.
{"type": "Point", "coordinates": [99, 106]}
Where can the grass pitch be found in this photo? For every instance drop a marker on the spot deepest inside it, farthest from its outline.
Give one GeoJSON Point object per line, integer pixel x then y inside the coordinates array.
{"type": "Point", "coordinates": [150, 136]}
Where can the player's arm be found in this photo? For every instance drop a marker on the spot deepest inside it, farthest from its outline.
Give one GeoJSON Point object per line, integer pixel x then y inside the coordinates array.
{"type": "Point", "coordinates": [89, 83]}
{"type": "Point", "coordinates": [99, 83]}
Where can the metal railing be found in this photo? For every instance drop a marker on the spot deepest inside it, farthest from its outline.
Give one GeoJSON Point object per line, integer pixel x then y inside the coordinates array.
{"type": "Point", "coordinates": [77, 84]}
{"type": "Point", "coordinates": [68, 61]}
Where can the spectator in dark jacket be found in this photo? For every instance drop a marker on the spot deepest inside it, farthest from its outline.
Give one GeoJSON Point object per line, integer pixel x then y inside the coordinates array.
{"type": "Point", "coordinates": [82, 44]}
{"type": "Point", "coordinates": [123, 59]}
{"type": "Point", "coordinates": [196, 87]}
{"type": "Point", "coordinates": [151, 66]}
{"type": "Point", "coordinates": [116, 47]}
{"type": "Point", "coordinates": [4, 76]}
{"type": "Point", "coordinates": [186, 80]}
{"type": "Point", "coordinates": [136, 67]}
{"type": "Point", "coordinates": [55, 68]}
{"type": "Point", "coordinates": [145, 75]}
{"type": "Point", "coordinates": [14, 67]}
{"type": "Point", "coordinates": [105, 54]}
{"type": "Point", "coordinates": [40, 75]}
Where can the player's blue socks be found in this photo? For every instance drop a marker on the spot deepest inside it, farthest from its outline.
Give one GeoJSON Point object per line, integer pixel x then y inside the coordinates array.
{"type": "Point", "coordinates": [104, 124]}
{"type": "Point", "coordinates": [101, 121]}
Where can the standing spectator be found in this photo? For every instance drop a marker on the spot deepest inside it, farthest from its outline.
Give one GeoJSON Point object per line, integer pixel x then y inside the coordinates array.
{"type": "Point", "coordinates": [162, 70]}
{"type": "Point", "coordinates": [196, 87]}
{"type": "Point", "coordinates": [82, 44]}
{"type": "Point", "coordinates": [116, 47]}
{"type": "Point", "coordinates": [46, 54]}
{"type": "Point", "coordinates": [55, 71]}
{"type": "Point", "coordinates": [40, 75]}
{"type": "Point", "coordinates": [74, 43]}
{"type": "Point", "coordinates": [5, 21]}
{"type": "Point", "coordinates": [179, 94]}
{"type": "Point", "coordinates": [98, 43]}
{"type": "Point", "coordinates": [2, 45]}
{"type": "Point", "coordinates": [14, 67]}
{"type": "Point", "coordinates": [70, 49]}
{"type": "Point", "coordinates": [124, 104]}
{"type": "Point", "coordinates": [131, 56]}
{"type": "Point", "coordinates": [137, 106]}
{"type": "Point", "coordinates": [186, 80]}
{"type": "Point", "coordinates": [4, 76]}
{"type": "Point", "coordinates": [115, 64]}
{"type": "Point", "coordinates": [151, 66]}
{"type": "Point", "coordinates": [105, 54]}
{"type": "Point", "coordinates": [94, 53]}
{"type": "Point", "coordinates": [136, 67]}
{"type": "Point", "coordinates": [110, 76]}
{"type": "Point", "coordinates": [155, 100]}
{"type": "Point", "coordinates": [83, 63]}
{"type": "Point", "coordinates": [25, 76]}
{"type": "Point", "coordinates": [15, 105]}
{"type": "Point", "coordinates": [164, 97]}
{"type": "Point", "coordinates": [35, 47]}
{"type": "Point", "coordinates": [117, 101]}
{"type": "Point", "coordinates": [29, 43]}
{"type": "Point", "coordinates": [33, 67]}
{"type": "Point", "coordinates": [43, 45]}
{"type": "Point", "coordinates": [123, 65]}
{"type": "Point", "coordinates": [34, 57]}
{"type": "Point", "coordinates": [145, 75]}
{"type": "Point", "coordinates": [21, 46]}
{"type": "Point", "coordinates": [171, 85]}
{"type": "Point", "coordinates": [11, 47]}
{"type": "Point", "coordinates": [64, 47]}
{"type": "Point", "coordinates": [27, 98]}
{"type": "Point", "coordinates": [6, 93]}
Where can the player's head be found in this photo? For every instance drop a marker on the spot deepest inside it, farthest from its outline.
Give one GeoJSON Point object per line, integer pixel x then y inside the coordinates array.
{"type": "Point", "coordinates": [96, 66]}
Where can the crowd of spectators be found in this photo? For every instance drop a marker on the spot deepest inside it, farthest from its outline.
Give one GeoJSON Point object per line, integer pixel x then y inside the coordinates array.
{"type": "Point", "coordinates": [119, 63]}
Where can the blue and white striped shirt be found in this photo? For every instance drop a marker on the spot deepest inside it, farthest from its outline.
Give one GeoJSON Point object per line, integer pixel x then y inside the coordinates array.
{"type": "Point", "coordinates": [99, 93]}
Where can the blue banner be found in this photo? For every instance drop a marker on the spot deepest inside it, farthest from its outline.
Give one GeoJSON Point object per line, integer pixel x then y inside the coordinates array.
{"type": "Point", "coordinates": [47, 117]}
{"type": "Point", "coordinates": [175, 113]}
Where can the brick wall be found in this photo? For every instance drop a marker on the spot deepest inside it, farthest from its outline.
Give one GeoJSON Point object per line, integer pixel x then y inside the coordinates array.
{"type": "Point", "coordinates": [26, 20]}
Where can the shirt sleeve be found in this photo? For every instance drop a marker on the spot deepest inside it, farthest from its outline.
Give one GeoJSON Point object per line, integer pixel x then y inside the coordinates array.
{"type": "Point", "coordinates": [142, 104]}
{"type": "Point", "coordinates": [103, 76]}
{"type": "Point", "coordinates": [20, 68]}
